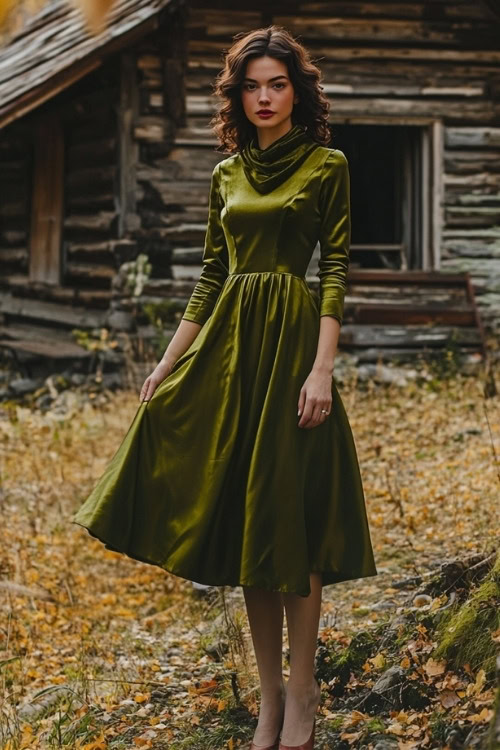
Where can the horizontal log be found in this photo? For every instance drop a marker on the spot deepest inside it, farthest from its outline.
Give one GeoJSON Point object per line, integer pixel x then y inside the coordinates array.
{"type": "Point", "coordinates": [48, 349]}
{"type": "Point", "coordinates": [400, 89]}
{"type": "Point", "coordinates": [101, 221]}
{"type": "Point", "coordinates": [110, 247]}
{"type": "Point", "coordinates": [73, 317]}
{"type": "Point", "coordinates": [185, 271]}
{"type": "Point", "coordinates": [354, 335]}
{"type": "Point", "coordinates": [419, 278]}
{"type": "Point", "coordinates": [78, 203]}
{"type": "Point", "coordinates": [10, 209]}
{"type": "Point", "coordinates": [223, 22]}
{"type": "Point", "coordinates": [152, 129]}
{"type": "Point", "coordinates": [149, 61]}
{"type": "Point", "coordinates": [394, 314]}
{"type": "Point", "coordinates": [468, 181]}
{"type": "Point", "coordinates": [462, 11]}
{"type": "Point", "coordinates": [383, 30]}
{"type": "Point", "coordinates": [360, 52]}
{"type": "Point", "coordinates": [409, 355]}
{"type": "Point", "coordinates": [187, 255]}
{"type": "Point", "coordinates": [14, 237]}
{"type": "Point", "coordinates": [461, 216]}
{"type": "Point", "coordinates": [13, 255]}
{"type": "Point", "coordinates": [487, 266]}
{"type": "Point", "coordinates": [487, 198]}
{"type": "Point", "coordinates": [461, 162]}
{"type": "Point", "coordinates": [481, 111]}
{"type": "Point", "coordinates": [89, 271]}
{"type": "Point", "coordinates": [94, 177]}
{"type": "Point", "coordinates": [92, 152]}
{"type": "Point", "coordinates": [471, 248]}
{"type": "Point", "coordinates": [471, 137]}
{"type": "Point", "coordinates": [477, 233]}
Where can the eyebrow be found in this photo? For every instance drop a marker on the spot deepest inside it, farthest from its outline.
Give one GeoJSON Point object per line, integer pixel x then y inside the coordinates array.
{"type": "Point", "coordinates": [271, 79]}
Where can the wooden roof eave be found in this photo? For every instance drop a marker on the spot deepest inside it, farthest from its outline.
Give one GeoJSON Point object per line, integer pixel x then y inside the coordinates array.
{"type": "Point", "coordinates": [74, 72]}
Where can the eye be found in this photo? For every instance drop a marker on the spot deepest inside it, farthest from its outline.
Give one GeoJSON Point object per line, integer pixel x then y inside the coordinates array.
{"type": "Point", "coordinates": [248, 86]}
{"type": "Point", "coordinates": [280, 84]}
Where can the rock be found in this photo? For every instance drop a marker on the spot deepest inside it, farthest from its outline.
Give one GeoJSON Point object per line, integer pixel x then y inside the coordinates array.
{"type": "Point", "coordinates": [391, 677]}
{"type": "Point", "coordinates": [386, 744]}
{"type": "Point", "coordinates": [44, 402]}
{"type": "Point", "coordinates": [120, 320]}
{"type": "Point", "coordinates": [393, 690]}
{"type": "Point", "coordinates": [22, 386]}
{"type": "Point", "coordinates": [111, 359]}
{"type": "Point", "coordinates": [112, 381]}
{"type": "Point", "coordinates": [77, 378]}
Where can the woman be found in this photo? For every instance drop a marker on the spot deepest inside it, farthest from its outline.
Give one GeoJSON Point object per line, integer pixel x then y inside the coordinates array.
{"type": "Point", "coordinates": [218, 480]}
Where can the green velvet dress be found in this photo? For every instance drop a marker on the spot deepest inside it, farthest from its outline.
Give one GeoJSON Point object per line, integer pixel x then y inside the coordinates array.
{"type": "Point", "coordinates": [214, 480]}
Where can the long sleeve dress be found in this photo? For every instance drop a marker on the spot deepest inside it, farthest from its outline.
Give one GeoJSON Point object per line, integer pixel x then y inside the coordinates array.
{"type": "Point", "coordinates": [214, 480]}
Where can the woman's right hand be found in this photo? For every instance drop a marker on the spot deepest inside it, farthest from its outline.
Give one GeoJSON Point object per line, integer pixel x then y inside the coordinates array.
{"type": "Point", "coordinates": [153, 381]}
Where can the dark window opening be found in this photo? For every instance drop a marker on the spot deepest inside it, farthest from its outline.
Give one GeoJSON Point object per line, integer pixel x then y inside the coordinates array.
{"type": "Point", "coordinates": [385, 164]}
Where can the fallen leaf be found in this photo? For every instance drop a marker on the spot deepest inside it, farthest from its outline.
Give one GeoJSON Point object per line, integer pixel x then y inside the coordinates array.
{"type": "Point", "coordinates": [448, 698]}
{"type": "Point", "coordinates": [434, 668]}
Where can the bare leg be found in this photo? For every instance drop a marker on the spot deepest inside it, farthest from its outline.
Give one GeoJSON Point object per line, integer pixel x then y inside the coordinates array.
{"type": "Point", "coordinates": [303, 692]}
{"type": "Point", "coordinates": [265, 616]}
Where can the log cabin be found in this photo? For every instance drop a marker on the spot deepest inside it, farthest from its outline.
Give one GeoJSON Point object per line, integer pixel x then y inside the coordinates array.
{"type": "Point", "coordinates": [106, 155]}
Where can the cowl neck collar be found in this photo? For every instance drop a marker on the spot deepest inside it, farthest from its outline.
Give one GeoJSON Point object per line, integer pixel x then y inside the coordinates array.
{"type": "Point", "coordinates": [267, 168]}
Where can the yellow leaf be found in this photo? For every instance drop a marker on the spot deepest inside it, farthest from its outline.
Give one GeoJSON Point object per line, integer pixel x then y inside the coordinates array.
{"type": "Point", "coordinates": [477, 686]}
{"type": "Point", "coordinates": [378, 661]}
{"type": "Point", "coordinates": [141, 697]}
{"type": "Point", "coordinates": [395, 728]}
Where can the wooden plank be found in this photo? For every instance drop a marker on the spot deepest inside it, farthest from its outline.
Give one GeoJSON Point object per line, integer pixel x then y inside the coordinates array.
{"type": "Point", "coordinates": [437, 193]}
{"type": "Point", "coordinates": [463, 11]}
{"type": "Point", "coordinates": [352, 334]}
{"type": "Point", "coordinates": [401, 314]}
{"type": "Point", "coordinates": [129, 149]}
{"type": "Point", "coordinates": [46, 348]}
{"type": "Point", "coordinates": [419, 278]}
{"type": "Point", "coordinates": [435, 32]}
{"type": "Point", "coordinates": [47, 201]}
{"type": "Point", "coordinates": [466, 137]}
{"type": "Point", "coordinates": [482, 111]}
{"type": "Point", "coordinates": [71, 317]}
{"type": "Point", "coordinates": [388, 52]}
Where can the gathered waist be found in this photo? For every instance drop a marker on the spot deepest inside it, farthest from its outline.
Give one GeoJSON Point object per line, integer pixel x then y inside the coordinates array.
{"type": "Point", "coordinates": [274, 273]}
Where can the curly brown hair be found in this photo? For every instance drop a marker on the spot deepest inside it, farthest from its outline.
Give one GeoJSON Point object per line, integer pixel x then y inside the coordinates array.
{"type": "Point", "coordinates": [230, 123]}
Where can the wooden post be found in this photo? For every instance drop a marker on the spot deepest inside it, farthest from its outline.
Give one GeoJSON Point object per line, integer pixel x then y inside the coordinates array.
{"type": "Point", "coordinates": [47, 201]}
{"type": "Point", "coordinates": [128, 146]}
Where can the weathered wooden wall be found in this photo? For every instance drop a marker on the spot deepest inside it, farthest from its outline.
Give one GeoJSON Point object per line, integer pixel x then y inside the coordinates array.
{"type": "Point", "coordinates": [15, 189]}
{"type": "Point", "coordinates": [137, 172]}
{"type": "Point", "coordinates": [382, 62]}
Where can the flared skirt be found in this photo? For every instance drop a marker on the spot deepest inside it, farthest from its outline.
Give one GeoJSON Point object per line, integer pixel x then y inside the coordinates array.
{"type": "Point", "coordinates": [214, 480]}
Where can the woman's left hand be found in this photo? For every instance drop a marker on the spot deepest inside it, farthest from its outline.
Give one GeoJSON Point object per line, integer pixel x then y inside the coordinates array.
{"type": "Point", "coordinates": [315, 395]}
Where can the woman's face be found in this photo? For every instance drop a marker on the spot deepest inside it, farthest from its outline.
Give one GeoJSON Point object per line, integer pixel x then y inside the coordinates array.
{"type": "Point", "coordinates": [267, 87]}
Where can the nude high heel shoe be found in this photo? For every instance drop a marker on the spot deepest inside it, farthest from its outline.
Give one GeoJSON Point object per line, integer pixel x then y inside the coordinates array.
{"type": "Point", "coordinates": [309, 745]}
{"type": "Point", "coordinates": [267, 747]}
{"type": "Point", "coordinates": [274, 746]}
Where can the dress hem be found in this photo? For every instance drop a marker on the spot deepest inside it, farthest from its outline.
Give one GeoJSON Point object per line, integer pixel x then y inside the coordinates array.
{"type": "Point", "coordinates": [329, 576]}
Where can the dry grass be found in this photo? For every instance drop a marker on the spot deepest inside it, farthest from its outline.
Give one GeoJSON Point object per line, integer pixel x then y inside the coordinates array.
{"type": "Point", "coordinates": [128, 642]}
